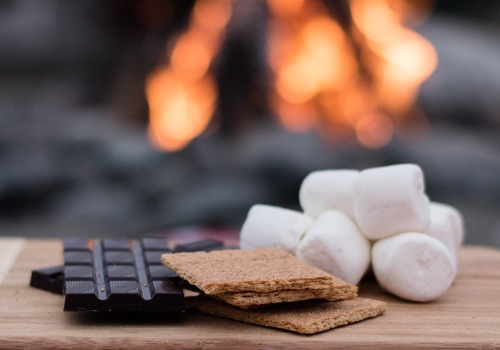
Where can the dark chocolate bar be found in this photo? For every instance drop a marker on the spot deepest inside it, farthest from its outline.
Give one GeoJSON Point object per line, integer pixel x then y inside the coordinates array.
{"type": "Point", "coordinates": [120, 275]}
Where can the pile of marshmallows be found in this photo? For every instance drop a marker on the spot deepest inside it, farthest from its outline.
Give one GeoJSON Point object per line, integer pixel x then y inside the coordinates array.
{"type": "Point", "coordinates": [353, 218]}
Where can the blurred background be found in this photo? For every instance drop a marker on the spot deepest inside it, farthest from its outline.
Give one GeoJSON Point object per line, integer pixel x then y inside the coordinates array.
{"type": "Point", "coordinates": [119, 118]}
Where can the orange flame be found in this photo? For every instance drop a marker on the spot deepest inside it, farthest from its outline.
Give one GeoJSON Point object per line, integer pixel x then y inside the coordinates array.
{"type": "Point", "coordinates": [182, 96]}
{"type": "Point", "coordinates": [285, 7]}
{"type": "Point", "coordinates": [309, 55]}
{"type": "Point", "coordinates": [318, 72]}
{"type": "Point", "coordinates": [400, 58]}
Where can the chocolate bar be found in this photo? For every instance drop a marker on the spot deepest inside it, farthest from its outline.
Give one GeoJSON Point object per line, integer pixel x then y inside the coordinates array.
{"type": "Point", "coordinates": [120, 275]}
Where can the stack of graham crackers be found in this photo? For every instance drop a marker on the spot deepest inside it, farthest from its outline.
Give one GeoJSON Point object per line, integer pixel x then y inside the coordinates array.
{"type": "Point", "coordinates": [272, 288]}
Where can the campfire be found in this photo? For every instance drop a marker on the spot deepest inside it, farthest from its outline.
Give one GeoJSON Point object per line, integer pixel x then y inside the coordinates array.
{"type": "Point", "coordinates": [182, 93]}
{"type": "Point", "coordinates": [348, 71]}
{"type": "Point", "coordinates": [244, 97]}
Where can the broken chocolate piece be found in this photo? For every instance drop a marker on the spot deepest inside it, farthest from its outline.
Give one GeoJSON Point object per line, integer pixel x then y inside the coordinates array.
{"type": "Point", "coordinates": [205, 245]}
{"type": "Point", "coordinates": [50, 279]}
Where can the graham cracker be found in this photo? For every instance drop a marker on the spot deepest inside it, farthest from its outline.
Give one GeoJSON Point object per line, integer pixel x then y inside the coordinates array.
{"type": "Point", "coordinates": [249, 270]}
{"type": "Point", "coordinates": [338, 290]}
{"type": "Point", "coordinates": [306, 317]}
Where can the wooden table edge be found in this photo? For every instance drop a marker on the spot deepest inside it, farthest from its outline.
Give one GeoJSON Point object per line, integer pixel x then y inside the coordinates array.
{"type": "Point", "coordinates": [10, 248]}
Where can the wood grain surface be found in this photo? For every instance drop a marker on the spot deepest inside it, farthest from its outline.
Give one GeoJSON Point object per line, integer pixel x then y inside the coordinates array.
{"type": "Point", "coordinates": [467, 316]}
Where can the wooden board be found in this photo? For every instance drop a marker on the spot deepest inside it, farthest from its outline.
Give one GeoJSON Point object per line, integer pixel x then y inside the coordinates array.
{"type": "Point", "coordinates": [468, 316]}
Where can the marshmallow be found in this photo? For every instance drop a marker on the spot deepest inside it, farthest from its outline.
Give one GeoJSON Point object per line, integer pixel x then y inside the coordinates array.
{"type": "Point", "coordinates": [413, 266]}
{"type": "Point", "coordinates": [441, 227]}
{"type": "Point", "coordinates": [335, 245]}
{"type": "Point", "coordinates": [390, 200]}
{"type": "Point", "coordinates": [328, 189]}
{"type": "Point", "coordinates": [273, 227]}
{"type": "Point", "coordinates": [455, 218]}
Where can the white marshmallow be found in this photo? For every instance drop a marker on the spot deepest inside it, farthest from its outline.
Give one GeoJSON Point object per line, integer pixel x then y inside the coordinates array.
{"type": "Point", "coordinates": [273, 227]}
{"type": "Point", "coordinates": [455, 218]}
{"type": "Point", "coordinates": [413, 266]}
{"type": "Point", "coordinates": [441, 227]}
{"type": "Point", "coordinates": [335, 245]}
{"type": "Point", "coordinates": [328, 189]}
{"type": "Point", "coordinates": [390, 200]}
